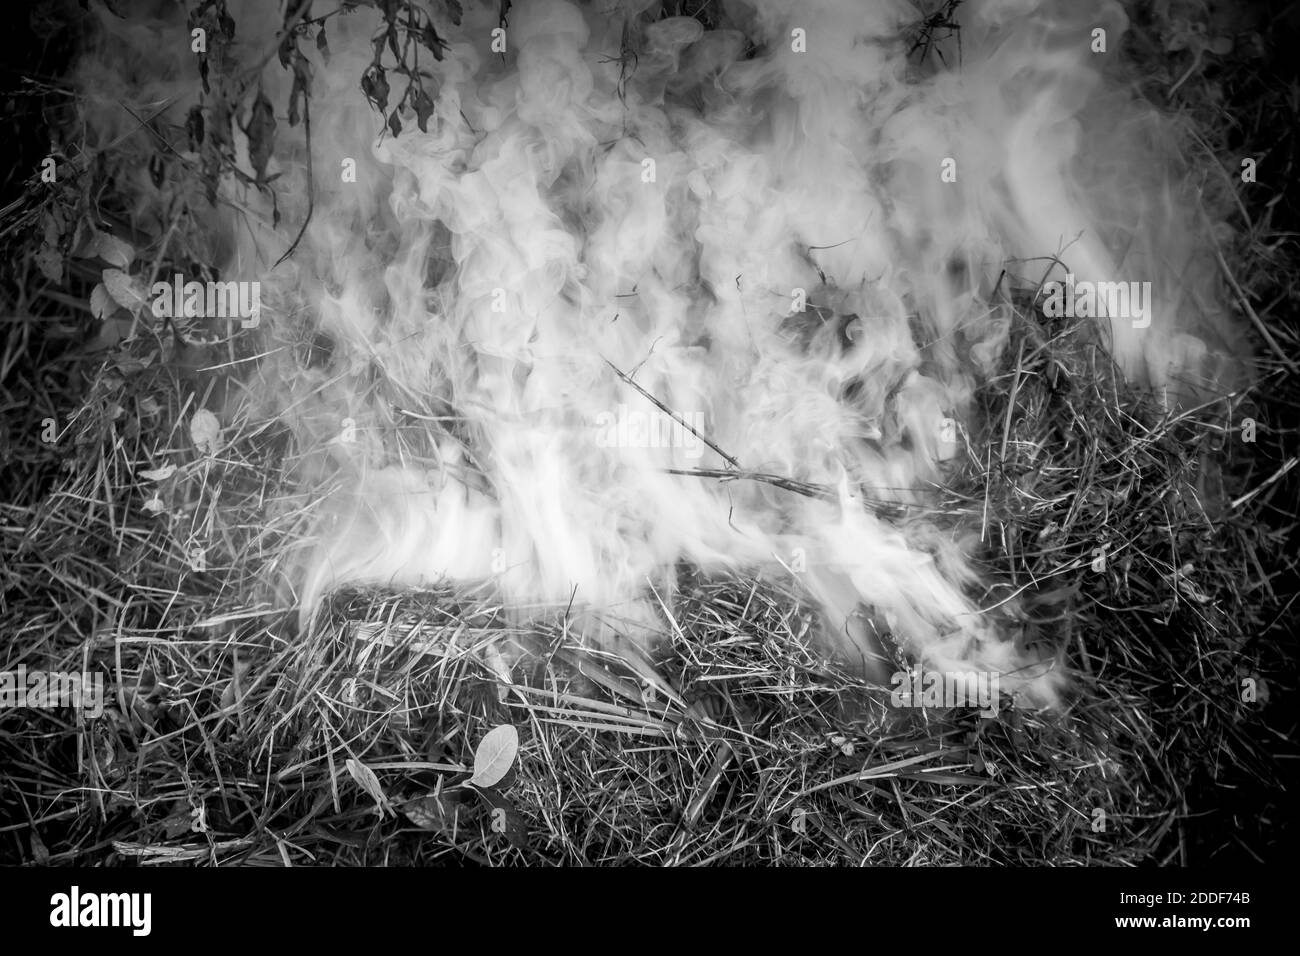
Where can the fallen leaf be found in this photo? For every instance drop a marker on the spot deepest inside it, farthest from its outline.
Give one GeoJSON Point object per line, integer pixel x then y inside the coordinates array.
{"type": "Point", "coordinates": [40, 854]}
{"type": "Point", "coordinates": [436, 811]}
{"type": "Point", "coordinates": [495, 754]}
{"type": "Point", "coordinates": [367, 781]}
{"type": "Point", "coordinates": [503, 818]}
{"type": "Point", "coordinates": [101, 303]}
{"type": "Point", "coordinates": [109, 248]}
{"type": "Point", "coordinates": [497, 662]}
{"type": "Point", "coordinates": [177, 822]}
{"type": "Point", "coordinates": [205, 431]}
{"type": "Point", "coordinates": [50, 261]}
{"type": "Point", "coordinates": [158, 474]}
{"type": "Point", "coordinates": [126, 290]}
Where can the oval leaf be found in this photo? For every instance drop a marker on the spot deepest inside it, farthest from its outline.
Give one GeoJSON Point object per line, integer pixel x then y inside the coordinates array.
{"type": "Point", "coordinates": [495, 755]}
{"type": "Point", "coordinates": [101, 303]}
{"type": "Point", "coordinates": [205, 430]}
{"type": "Point", "coordinates": [435, 812]}
{"type": "Point", "coordinates": [50, 261]}
{"type": "Point", "coordinates": [127, 291]}
{"type": "Point", "coordinates": [111, 249]}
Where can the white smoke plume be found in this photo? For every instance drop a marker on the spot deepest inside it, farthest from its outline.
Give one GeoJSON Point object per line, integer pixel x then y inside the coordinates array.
{"type": "Point", "coordinates": [776, 220]}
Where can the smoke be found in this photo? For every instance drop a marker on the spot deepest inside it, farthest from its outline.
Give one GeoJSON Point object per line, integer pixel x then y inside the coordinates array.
{"type": "Point", "coordinates": [771, 240]}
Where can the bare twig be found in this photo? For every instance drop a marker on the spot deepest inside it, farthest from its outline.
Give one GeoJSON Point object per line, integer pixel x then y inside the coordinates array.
{"type": "Point", "coordinates": [673, 415]}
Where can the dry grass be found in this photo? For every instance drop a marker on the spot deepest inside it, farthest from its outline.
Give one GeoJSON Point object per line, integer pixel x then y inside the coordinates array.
{"type": "Point", "coordinates": [230, 736]}
{"type": "Point", "coordinates": [746, 739]}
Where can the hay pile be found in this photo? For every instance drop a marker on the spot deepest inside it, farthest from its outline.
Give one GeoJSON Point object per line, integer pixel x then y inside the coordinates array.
{"type": "Point", "coordinates": [1155, 548]}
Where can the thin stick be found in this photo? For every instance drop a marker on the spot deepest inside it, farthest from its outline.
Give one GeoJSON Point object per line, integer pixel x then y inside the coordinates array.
{"type": "Point", "coordinates": [673, 415]}
{"type": "Point", "coordinates": [805, 488]}
{"type": "Point", "coordinates": [1291, 463]}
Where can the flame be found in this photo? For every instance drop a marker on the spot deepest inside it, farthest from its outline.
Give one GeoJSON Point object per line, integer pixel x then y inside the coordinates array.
{"type": "Point", "coordinates": [745, 248]}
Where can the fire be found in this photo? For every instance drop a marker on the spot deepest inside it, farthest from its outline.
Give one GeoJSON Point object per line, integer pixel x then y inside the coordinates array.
{"type": "Point", "coordinates": [773, 235]}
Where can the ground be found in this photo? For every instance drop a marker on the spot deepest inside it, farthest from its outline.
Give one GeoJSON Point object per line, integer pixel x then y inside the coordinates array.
{"type": "Point", "coordinates": [231, 735]}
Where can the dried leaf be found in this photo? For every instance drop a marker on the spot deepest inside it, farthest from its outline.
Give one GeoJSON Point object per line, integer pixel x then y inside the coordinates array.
{"type": "Point", "coordinates": [233, 695]}
{"type": "Point", "coordinates": [109, 248]}
{"type": "Point", "coordinates": [50, 228]}
{"type": "Point", "coordinates": [101, 303]}
{"type": "Point", "coordinates": [497, 662]}
{"type": "Point", "coordinates": [323, 46]}
{"type": "Point", "coordinates": [40, 854]}
{"type": "Point", "coordinates": [194, 126]}
{"type": "Point", "coordinates": [50, 261]}
{"type": "Point", "coordinates": [367, 781]}
{"type": "Point", "coordinates": [374, 84]}
{"type": "Point", "coordinates": [126, 290]}
{"type": "Point", "coordinates": [504, 818]}
{"type": "Point", "coordinates": [429, 37]}
{"type": "Point", "coordinates": [301, 87]}
{"type": "Point", "coordinates": [436, 811]}
{"type": "Point", "coordinates": [177, 822]}
{"type": "Point", "coordinates": [422, 104]}
{"type": "Point", "coordinates": [158, 474]}
{"type": "Point", "coordinates": [205, 431]}
{"type": "Point", "coordinates": [261, 134]}
{"type": "Point", "coordinates": [454, 11]}
{"type": "Point", "coordinates": [302, 73]}
{"type": "Point", "coordinates": [288, 47]}
{"type": "Point", "coordinates": [394, 123]}
{"type": "Point", "coordinates": [495, 755]}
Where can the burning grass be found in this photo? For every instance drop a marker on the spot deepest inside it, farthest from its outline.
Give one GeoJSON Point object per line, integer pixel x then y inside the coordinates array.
{"type": "Point", "coordinates": [1152, 548]}
{"type": "Point", "coordinates": [228, 735]}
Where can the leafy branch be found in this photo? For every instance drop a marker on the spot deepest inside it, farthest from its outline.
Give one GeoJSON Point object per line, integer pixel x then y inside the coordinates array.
{"type": "Point", "coordinates": [407, 28]}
